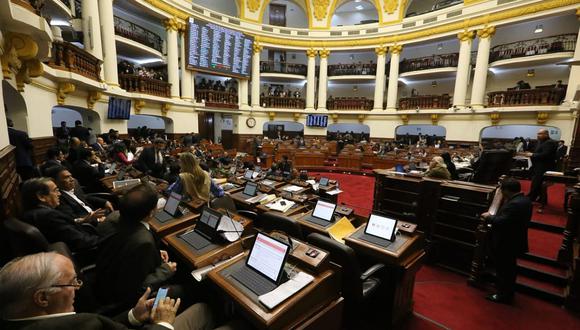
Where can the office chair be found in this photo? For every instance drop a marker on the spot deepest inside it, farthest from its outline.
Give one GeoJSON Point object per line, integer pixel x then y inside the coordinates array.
{"type": "Point", "coordinates": [227, 203]}
{"type": "Point", "coordinates": [492, 165]}
{"type": "Point", "coordinates": [270, 221]}
{"type": "Point", "coordinates": [24, 239]}
{"type": "Point", "coordinates": [357, 287]}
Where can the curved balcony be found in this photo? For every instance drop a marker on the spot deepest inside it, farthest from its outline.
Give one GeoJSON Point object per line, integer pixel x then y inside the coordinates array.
{"type": "Point", "coordinates": [68, 57]}
{"type": "Point", "coordinates": [355, 69]}
{"type": "Point", "coordinates": [534, 51]}
{"type": "Point", "coordinates": [349, 103]}
{"type": "Point", "coordinates": [283, 67]}
{"type": "Point", "coordinates": [430, 67]}
{"type": "Point", "coordinates": [134, 83]}
{"type": "Point", "coordinates": [217, 99]}
{"type": "Point", "coordinates": [425, 102]}
{"type": "Point", "coordinates": [541, 95]}
{"type": "Point", "coordinates": [33, 5]}
{"type": "Point", "coordinates": [134, 32]}
{"type": "Point", "coordinates": [279, 102]}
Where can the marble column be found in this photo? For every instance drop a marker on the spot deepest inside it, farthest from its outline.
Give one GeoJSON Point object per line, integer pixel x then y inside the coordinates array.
{"type": "Point", "coordinates": [392, 91]}
{"type": "Point", "coordinates": [311, 78]}
{"type": "Point", "coordinates": [91, 28]}
{"type": "Point", "coordinates": [461, 80]}
{"type": "Point", "coordinates": [172, 25]}
{"type": "Point", "coordinates": [109, 46]}
{"type": "Point", "coordinates": [380, 77]}
{"type": "Point", "coordinates": [481, 66]}
{"type": "Point", "coordinates": [186, 76]}
{"type": "Point", "coordinates": [256, 74]}
{"type": "Point", "coordinates": [323, 79]}
{"type": "Point", "coordinates": [574, 78]}
{"type": "Point", "coordinates": [243, 93]}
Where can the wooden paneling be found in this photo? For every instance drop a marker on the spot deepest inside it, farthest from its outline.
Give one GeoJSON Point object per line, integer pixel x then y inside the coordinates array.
{"type": "Point", "coordinates": [240, 142]}
{"type": "Point", "coordinates": [41, 145]}
{"type": "Point", "coordinates": [9, 181]}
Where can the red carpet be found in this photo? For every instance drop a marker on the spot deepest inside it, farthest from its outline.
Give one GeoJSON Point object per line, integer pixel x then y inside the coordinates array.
{"type": "Point", "coordinates": [358, 190]}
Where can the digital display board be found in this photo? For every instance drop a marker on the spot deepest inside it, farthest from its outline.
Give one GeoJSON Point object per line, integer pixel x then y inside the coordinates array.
{"type": "Point", "coordinates": [216, 49]}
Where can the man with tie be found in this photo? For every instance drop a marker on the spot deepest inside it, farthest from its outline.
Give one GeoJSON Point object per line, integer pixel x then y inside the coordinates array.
{"type": "Point", "coordinates": [151, 159]}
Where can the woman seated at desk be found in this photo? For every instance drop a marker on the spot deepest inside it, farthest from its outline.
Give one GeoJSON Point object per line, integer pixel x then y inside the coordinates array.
{"type": "Point", "coordinates": [193, 181]}
{"type": "Point", "coordinates": [438, 169]}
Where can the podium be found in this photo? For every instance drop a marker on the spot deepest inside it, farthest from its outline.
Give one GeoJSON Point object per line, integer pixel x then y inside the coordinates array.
{"type": "Point", "coordinates": [404, 257]}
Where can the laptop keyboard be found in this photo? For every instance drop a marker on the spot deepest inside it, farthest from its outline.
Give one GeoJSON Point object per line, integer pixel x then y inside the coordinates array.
{"type": "Point", "coordinates": [196, 240]}
{"type": "Point", "coordinates": [253, 281]}
{"type": "Point", "coordinates": [317, 221]}
{"type": "Point", "coordinates": [376, 240]}
{"type": "Point", "coordinates": [163, 216]}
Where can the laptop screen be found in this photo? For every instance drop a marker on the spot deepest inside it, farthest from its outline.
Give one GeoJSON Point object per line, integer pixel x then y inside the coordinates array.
{"type": "Point", "coordinates": [172, 203]}
{"type": "Point", "coordinates": [267, 256]}
{"type": "Point", "coordinates": [324, 210]}
{"type": "Point", "coordinates": [250, 189]}
{"type": "Point", "coordinates": [323, 181]}
{"type": "Point", "coordinates": [233, 170]}
{"type": "Point", "coordinates": [399, 168]}
{"type": "Point", "coordinates": [381, 226]}
{"type": "Point", "coordinates": [248, 174]}
{"type": "Point", "coordinates": [210, 217]}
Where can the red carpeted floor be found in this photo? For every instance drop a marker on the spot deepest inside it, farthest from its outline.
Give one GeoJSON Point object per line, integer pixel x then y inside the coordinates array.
{"type": "Point", "coordinates": [443, 300]}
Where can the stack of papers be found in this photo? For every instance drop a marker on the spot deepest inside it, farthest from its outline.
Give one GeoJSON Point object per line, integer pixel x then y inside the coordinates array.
{"type": "Point", "coordinates": [229, 229]}
{"type": "Point", "coordinates": [267, 199]}
{"type": "Point", "coordinates": [341, 229]}
{"type": "Point", "coordinates": [267, 182]}
{"type": "Point", "coordinates": [256, 199]}
{"type": "Point", "coordinates": [285, 290]}
{"type": "Point", "coordinates": [334, 192]}
{"type": "Point", "coordinates": [292, 188]}
{"type": "Point", "coordinates": [281, 205]}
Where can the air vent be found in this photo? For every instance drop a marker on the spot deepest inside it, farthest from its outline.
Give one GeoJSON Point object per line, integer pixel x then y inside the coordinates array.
{"type": "Point", "coordinates": [335, 33]}
{"type": "Point", "coordinates": [430, 20]}
{"type": "Point", "coordinates": [372, 31]}
{"type": "Point", "coordinates": [267, 29]}
{"type": "Point", "coordinates": [352, 33]}
{"type": "Point", "coordinates": [216, 16]}
{"type": "Point", "coordinates": [197, 9]}
{"type": "Point", "coordinates": [409, 25]}
{"type": "Point", "coordinates": [302, 33]}
{"type": "Point", "coordinates": [285, 31]}
{"type": "Point", "coordinates": [454, 13]}
{"type": "Point", "coordinates": [501, 2]}
{"type": "Point", "coordinates": [234, 21]}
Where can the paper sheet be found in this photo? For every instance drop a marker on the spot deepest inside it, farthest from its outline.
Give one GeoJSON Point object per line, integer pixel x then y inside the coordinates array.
{"type": "Point", "coordinates": [230, 229]}
{"type": "Point", "coordinates": [341, 229]}
{"type": "Point", "coordinates": [277, 205]}
{"type": "Point", "coordinates": [201, 273]}
{"type": "Point", "coordinates": [334, 192]}
{"type": "Point", "coordinates": [285, 290]}
{"type": "Point", "coordinates": [292, 188]}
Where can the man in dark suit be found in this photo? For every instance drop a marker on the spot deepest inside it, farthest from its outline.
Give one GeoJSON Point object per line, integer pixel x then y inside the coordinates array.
{"type": "Point", "coordinates": [73, 201]}
{"type": "Point", "coordinates": [40, 198]}
{"type": "Point", "coordinates": [88, 170]}
{"type": "Point", "coordinates": [543, 159]}
{"type": "Point", "coordinates": [23, 152]}
{"type": "Point", "coordinates": [151, 159]}
{"type": "Point", "coordinates": [130, 255]}
{"type": "Point", "coordinates": [560, 155]}
{"type": "Point", "coordinates": [80, 132]}
{"type": "Point", "coordinates": [54, 157]}
{"type": "Point", "coordinates": [37, 292]}
{"type": "Point", "coordinates": [509, 237]}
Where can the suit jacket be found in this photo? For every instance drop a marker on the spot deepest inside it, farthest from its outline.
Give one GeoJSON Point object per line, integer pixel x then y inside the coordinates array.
{"type": "Point", "coordinates": [510, 225]}
{"type": "Point", "coordinates": [130, 256]}
{"type": "Point", "coordinates": [48, 164]}
{"type": "Point", "coordinates": [73, 209]}
{"type": "Point", "coordinates": [83, 321]}
{"type": "Point", "coordinates": [23, 145]}
{"type": "Point", "coordinates": [544, 157]}
{"type": "Point", "coordinates": [59, 227]}
{"type": "Point", "coordinates": [89, 176]}
{"type": "Point", "coordinates": [80, 132]}
{"type": "Point", "coordinates": [146, 162]}
{"type": "Point", "coordinates": [561, 151]}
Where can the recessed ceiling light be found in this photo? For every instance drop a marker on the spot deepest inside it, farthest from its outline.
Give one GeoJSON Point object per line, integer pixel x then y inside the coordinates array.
{"type": "Point", "coordinates": [359, 7]}
{"type": "Point", "coordinates": [357, 0]}
{"type": "Point", "coordinates": [539, 28]}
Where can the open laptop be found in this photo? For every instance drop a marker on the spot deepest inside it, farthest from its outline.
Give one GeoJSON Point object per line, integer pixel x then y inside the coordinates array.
{"type": "Point", "coordinates": [323, 182]}
{"type": "Point", "coordinates": [380, 230]}
{"type": "Point", "coordinates": [264, 266]}
{"type": "Point", "coordinates": [250, 190]}
{"type": "Point", "coordinates": [170, 209]}
{"type": "Point", "coordinates": [205, 229]}
{"type": "Point", "coordinates": [322, 214]}
{"type": "Point", "coordinates": [248, 175]}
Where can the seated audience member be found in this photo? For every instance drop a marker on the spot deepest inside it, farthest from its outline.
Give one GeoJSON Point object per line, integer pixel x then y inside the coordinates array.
{"type": "Point", "coordinates": [88, 170]}
{"type": "Point", "coordinates": [74, 202]}
{"type": "Point", "coordinates": [438, 169]}
{"type": "Point", "coordinates": [285, 166]}
{"type": "Point", "coordinates": [40, 198]}
{"type": "Point", "coordinates": [193, 181]}
{"type": "Point", "coordinates": [38, 291]}
{"type": "Point", "coordinates": [54, 157]}
{"type": "Point", "coordinates": [120, 154]}
{"type": "Point", "coordinates": [129, 260]}
{"type": "Point", "coordinates": [100, 147]}
{"type": "Point", "coordinates": [74, 150]}
{"type": "Point", "coordinates": [151, 159]}
{"type": "Point", "coordinates": [450, 166]}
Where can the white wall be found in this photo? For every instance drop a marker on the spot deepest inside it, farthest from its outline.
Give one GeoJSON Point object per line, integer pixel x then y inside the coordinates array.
{"type": "Point", "coordinates": [512, 131]}
{"type": "Point", "coordinates": [525, 31]}
{"type": "Point", "coordinates": [354, 18]}
{"type": "Point", "coordinates": [365, 89]}
{"type": "Point", "coordinates": [345, 57]}
{"type": "Point", "coordinates": [228, 7]}
{"type": "Point", "coordinates": [289, 126]}
{"type": "Point", "coordinates": [423, 129]}
{"type": "Point", "coordinates": [15, 106]}
{"type": "Point", "coordinates": [144, 120]}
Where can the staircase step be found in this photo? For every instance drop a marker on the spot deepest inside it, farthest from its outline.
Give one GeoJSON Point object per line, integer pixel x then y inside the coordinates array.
{"type": "Point", "coordinates": [541, 259]}
{"type": "Point", "coordinates": [543, 272]}
{"type": "Point", "coordinates": [538, 224]}
{"type": "Point", "coordinates": [543, 290]}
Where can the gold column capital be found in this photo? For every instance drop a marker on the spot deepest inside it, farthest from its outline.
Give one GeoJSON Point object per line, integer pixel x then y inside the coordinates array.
{"type": "Point", "coordinates": [396, 49]}
{"type": "Point", "coordinates": [434, 118]}
{"type": "Point", "coordinates": [486, 32]}
{"type": "Point", "coordinates": [405, 119]}
{"type": "Point", "coordinates": [172, 24]}
{"type": "Point", "coordinates": [381, 50]}
{"type": "Point", "coordinates": [165, 107]}
{"type": "Point", "coordinates": [466, 35]}
{"type": "Point", "coordinates": [324, 53]}
{"type": "Point", "coordinates": [311, 52]}
{"type": "Point", "coordinates": [543, 117]}
{"type": "Point", "coordinates": [495, 118]}
{"type": "Point", "coordinates": [139, 104]}
{"type": "Point", "coordinates": [334, 117]}
{"type": "Point", "coordinates": [257, 48]}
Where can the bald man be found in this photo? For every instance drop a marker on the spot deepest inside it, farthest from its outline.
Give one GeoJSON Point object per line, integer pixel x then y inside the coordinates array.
{"type": "Point", "coordinates": [543, 159]}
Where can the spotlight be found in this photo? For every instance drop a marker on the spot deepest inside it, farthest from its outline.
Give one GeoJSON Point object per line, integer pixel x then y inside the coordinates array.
{"type": "Point", "coordinates": [539, 28]}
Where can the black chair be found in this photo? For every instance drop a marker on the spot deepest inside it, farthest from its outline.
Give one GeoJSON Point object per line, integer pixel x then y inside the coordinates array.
{"type": "Point", "coordinates": [227, 203]}
{"type": "Point", "coordinates": [357, 287]}
{"type": "Point", "coordinates": [24, 239]}
{"type": "Point", "coordinates": [491, 165]}
{"type": "Point", "coordinates": [270, 221]}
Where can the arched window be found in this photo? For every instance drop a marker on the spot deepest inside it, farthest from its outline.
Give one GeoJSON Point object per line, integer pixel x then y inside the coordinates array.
{"type": "Point", "coordinates": [352, 12]}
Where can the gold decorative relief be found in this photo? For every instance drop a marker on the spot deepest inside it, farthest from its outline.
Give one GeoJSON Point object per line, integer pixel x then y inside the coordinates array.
{"type": "Point", "coordinates": [93, 97]}
{"type": "Point", "coordinates": [19, 58]}
{"type": "Point", "coordinates": [405, 119]}
{"type": "Point", "coordinates": [543, 117]}
{"type": "Point", "coordinates": [271, 115]}
{"type": "Point", "coordinates": [495, 118]}
{"type": "Point", "coordinates": [139, 104]}
{"type": "Point", "coordinates": [64, 88]}
{"type": "Point", "coordinates": [253, 5]}
{"type": "Point", "coordinates": [486, 32]}
{"type": "Point", "coordinates": [165, 107]}
{"type": "Point", "coordinates": [434, 118]}
{"type": "Point", "coordinates": [320, 8]}
{"type": "Point", "coordinates": [324, 53]}
{"type": "Point", "coordinates": [396, 49]}
{"type": "Point", "coordinates": [296, 116]}
{"type": "Point", "coordinates": [391, 6]}
{"type": "Point", "coordinates": [311, 52]}
{"type": "Point", "coordinates": [256, 47]}
{"type": "Point", "coordinates": [334, 117]}
{"type": "Point", "coordinates": [382, 50]}
{"type": "Point", "coordinates": [172, 24]}
{"type": "Point", "coordinates": [361, 118]}
{"type": "Point", "coordinates": [465, 35]}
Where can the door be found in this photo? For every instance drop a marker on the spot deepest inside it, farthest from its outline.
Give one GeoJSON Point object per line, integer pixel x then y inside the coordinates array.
{"type": "Point", "coordinates": [206, 125]}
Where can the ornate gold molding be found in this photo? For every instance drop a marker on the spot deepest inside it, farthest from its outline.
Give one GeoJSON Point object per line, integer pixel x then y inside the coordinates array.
{"type": "Point", "coordinates": [139, 104]}
{"type": "Point", "coordinates": [19, 58]}
{"type": "Point", "coordinates": [296, 116]}
{"type": "Point", "coordinates": [382, 50]}
{"type": "Point", "coordinates": [64, 88]}
{"type": "Point", "coordinates": [92, 98]}
{"type": "Point", "coordinates": [405, 119]}
{"type": "Point", "coordinates": [396, 49]}
{"type": "Point", "coordinates": [495, 118]}
{"type": "Point", "coordinates": [391, 5]}
{"type": "Point", "coordinates": [543, 117]}
{"type": "Point", "coordinates": [256, 47]}
{"type": "Point", "coordinates": [361, 118]}
{"type": "Point", "coordinates": [271, 115]}
{"type": "Point", "coordinates": [253, 5]}
{"type": "Point", "coordinates": [311, 52]}
{"type": "Point", "coordinates": [334, 117]}
{"type": "Point", "coordinates": [324, 53]}
{"type": "Point", "coordinates": [434, 118]}
{"type": "Point", "coordinates": [320, 8]}
{"type": "Point", "coordinates": [172, 24]}
{"type": "Point", "coordinates": [466, 35]}
{"type": "Point", "coordinates": [165, 107]}
{"type": "Point", "coordinates": [486, 32]}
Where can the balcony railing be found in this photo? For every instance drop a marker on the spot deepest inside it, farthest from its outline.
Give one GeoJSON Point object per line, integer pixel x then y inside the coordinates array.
{"type": "Point", "coordinates": [68, 57]}
{"type": "Point", "coordinates": [217, 99]}
{"type": "Point", "coordinates": [542, 95]}
{"type": "Point", "coordinates": [358, 69]}
{"type": "Point", "coordinates": [32, 5]}
{"type": "Point", "coordinates": [283, 67]}
{"type": "Point", "coordinates": [139, 84]}
{"type": "Point", "coordinates": [540, 46]}
{"type": "Point", "coordinates": [425, 102]}
{"type": "Point", "coordinates": [134, 32]}
{"type": "Point", "coordinates": [437, 6]}
{"type": "Point", "coordinates": [349, 103]}
{"type": "Point", "coordinates": [429, 62]}
{"type": "Point", "coordinates": [282, 102]}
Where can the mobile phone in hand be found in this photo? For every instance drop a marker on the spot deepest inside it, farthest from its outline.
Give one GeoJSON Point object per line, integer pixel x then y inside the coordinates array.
{"type": "Point", "coordinates": [161, 294]}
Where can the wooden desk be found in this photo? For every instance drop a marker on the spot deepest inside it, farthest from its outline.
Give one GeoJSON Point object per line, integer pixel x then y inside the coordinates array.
{"type": "Point", "coordinates": [405, 255]}
{"type": "Point", "coordinates": [313, 227]}
{"type": "Point", "coordinates": [172, 225]}
{"type": "Point", "coordinates": [295, 209]}
{"type": "Point", "coordinates": [298, 192]}
{"type": "Point", "coordinates": [295, 312]}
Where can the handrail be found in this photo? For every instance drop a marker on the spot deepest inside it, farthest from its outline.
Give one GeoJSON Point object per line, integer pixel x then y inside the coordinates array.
{"type": "Point", "coordinates": [531, 47]}
{"type": "Point", "coordinates": [425, 102]}
{"type": "Point", "coordinates": [217, 99]}
{"type": "Point", "coordinates": [145, 85]}
{"type": "Point", "coordinates": [355, 69]}
{"type": "Point", "coordinates": [429, 62]}
{"type": "Point", "coordinates": [283, 67]}
{"type": "Point", "coordinates": [137, 33]}
{"type": "Point", "coordinates": [538, 96]}
{"type": "Point", "coordinates": [349, 103]}
{"type": "Point", "coordinates": [66, 56]}
{"type": "Point", "coordinates": [282, 102]}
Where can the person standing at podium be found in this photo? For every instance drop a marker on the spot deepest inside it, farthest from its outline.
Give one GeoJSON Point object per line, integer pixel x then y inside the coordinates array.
{"type": "Point", "coordinates": [509, 237]}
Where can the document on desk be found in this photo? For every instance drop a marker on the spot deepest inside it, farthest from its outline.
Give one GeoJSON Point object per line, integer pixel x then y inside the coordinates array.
{"type": "Point", "coordinates": [280, 204]}
{"type": "Point", "coordinates": [292, 188]}
{"type": "Point", "coordinates": [285, 290]}
{"type": "Point", "coordinates": [230, 229]}
{"type": "Point", "coordinates": [256, 199]}
{"type": "Point", "coordinates": [341, 229]}
{"type": "Point", "coordinates": [201, 273]}
{"type": "Point", "coordinates": [267, 183]}
{"type": "Point", "coordinates": [334, 192]}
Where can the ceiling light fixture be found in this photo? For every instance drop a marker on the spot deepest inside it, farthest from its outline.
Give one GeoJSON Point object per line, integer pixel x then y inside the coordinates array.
{"type": "Point", "coordinates": [539, 28]}
{"type": "Point", "coordinates": [359, 7]}
{"type": "Point", "coordinates": [439, 46]}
